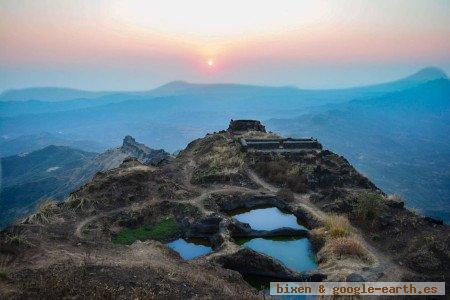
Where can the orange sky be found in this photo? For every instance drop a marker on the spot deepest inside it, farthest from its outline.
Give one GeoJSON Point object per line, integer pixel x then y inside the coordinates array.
{"type": "Point", "coordinates": [140, 44]}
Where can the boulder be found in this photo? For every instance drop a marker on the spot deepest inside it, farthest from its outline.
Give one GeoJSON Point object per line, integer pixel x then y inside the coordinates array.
{"type": "Point", "coordinates": [250, 262]}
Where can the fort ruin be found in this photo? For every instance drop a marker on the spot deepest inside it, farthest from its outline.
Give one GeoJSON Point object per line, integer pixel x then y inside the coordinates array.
{"type": "Point", "coordinates": [280, 145]}
{"type": "Point", "coordinates": [239, 127]}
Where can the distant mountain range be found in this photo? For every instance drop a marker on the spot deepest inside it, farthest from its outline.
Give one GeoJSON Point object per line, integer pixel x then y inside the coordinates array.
{"type": "Point", "coordinates": [391, 131]}
{"type": "Point", "coordinates": [49, 94]}
{"type": "Point", "coordinates": [401, 140]}
{"type": "Point", "coordinates": [54, 171]}
{"type": "Point", "coordinates": [227, 91]}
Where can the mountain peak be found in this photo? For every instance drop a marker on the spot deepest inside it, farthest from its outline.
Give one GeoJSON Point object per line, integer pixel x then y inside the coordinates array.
{"type": "Point", "coordinates": [427, 74]}
{"type": "Point", "coordinates": [140, 151]}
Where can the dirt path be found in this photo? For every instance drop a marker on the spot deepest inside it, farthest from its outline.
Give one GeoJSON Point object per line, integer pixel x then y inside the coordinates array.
{"type": "Point", "coordinates": [79, 228]}
{"type": "Point", "coordinates": [197, 201]}
{"type": "Point", "coordinates": [80, 225]}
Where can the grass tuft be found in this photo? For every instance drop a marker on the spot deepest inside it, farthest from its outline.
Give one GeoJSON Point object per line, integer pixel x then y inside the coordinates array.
{"type": "Point", "coordinates": [44, 213]}
{"type": "Point", "coordinates": [162, 230]}
{"type": "Point", "coordinates": [337, 225]}
{"type": "Point", "coordinates": [16, 239]}
{"type": "Point", "coordinates": [344, 247]}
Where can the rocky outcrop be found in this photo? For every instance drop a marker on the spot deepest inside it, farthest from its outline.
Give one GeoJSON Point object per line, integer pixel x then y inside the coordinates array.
{"type": "Point", "coordinates": [143, 153]}
{"type": "Point", "coordinates": [240, 126]}
{"type": "Point", "coordinates": [239, 229]}
{"type": "Point", "coordinates": [249, 262]}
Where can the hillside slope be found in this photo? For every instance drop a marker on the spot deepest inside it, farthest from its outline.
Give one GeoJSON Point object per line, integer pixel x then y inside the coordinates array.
{"type": "Point", "coordinates": [116, 227]}
{"type": "Point", "coordinates": [54, 171]}
{"type": "Point", "coordinates": [400, 140]}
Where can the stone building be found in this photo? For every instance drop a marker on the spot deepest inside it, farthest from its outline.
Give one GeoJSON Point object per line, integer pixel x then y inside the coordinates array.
{"type": "Point", "coordinates": [280, 145]}
{"type": "Point", "coordinates": [241, 126]}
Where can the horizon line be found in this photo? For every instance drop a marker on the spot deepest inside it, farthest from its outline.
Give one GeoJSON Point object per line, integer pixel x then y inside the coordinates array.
{"type": "Point", "coordinates": [226, 83]}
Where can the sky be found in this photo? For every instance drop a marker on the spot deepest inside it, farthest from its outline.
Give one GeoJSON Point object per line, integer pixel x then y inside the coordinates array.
{"type": "Point", "coordinates": [138, 45]}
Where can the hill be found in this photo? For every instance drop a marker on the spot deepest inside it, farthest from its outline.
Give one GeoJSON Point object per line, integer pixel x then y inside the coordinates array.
{"type": "Point", "coordinates": [50, 94]}
{"type": "Point", "coordinates": [32, 142]}
{"type": "Point", "coordinates": [114, 236]}
{"type": "Point", "coordinates": [54, 171]}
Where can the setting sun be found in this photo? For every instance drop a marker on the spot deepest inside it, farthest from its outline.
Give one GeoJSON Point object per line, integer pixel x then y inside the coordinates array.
{"type": "Point", "coordinates": [210, 63]}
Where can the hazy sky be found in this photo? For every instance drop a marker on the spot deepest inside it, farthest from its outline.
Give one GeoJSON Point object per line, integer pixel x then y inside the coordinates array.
{"type": "Point", "coordinates": [137, 45]}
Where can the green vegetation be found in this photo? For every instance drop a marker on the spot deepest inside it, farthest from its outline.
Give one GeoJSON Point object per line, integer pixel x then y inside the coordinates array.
{"type": "Point", "coordinates": [16, 239]}
{"type": "Point", "coordinates": [3, 275]}
{"type": "Point", "coordinates": [376, 237]}
{"type": "Point", "coordinates": [367, 206]}
{"type": "Point", "coordinates": [162, 230]}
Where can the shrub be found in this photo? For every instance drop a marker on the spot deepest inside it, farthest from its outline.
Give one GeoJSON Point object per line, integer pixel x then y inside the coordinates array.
{"type": "Point", "coordinates": [286, 194]}
{"type": "Point", "coordinates": [349, 247]}
{"type": "Point", "coordinates": [16, 239]}
{"type": "Point", "coordinates": [162, 230]}
{"type": "Point", "coordinates": [376, 237]}
{"type": "Point", "coordinates": [367, 206]}
{"type": "Point", "coordinates": [337, 225]}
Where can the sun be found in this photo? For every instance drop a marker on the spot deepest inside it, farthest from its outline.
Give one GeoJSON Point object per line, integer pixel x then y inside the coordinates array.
{"type": "Point", "coordinates": [210, 63]}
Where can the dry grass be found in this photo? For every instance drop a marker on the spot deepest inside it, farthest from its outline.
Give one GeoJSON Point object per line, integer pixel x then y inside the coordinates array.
{"type": "Point", "coordinates": [260, 135]}
{"type": "Point", "coordinates": [81, 203]}
{"type": "Point", "coordinates": [396, 198]}
{"type": "Point", "coordinates": [16, 239]}
{"type": "Point", "coordinates": [4, 262]}
{"type": "Point", "coordinates": [337, 241]}
{"type": "Point", "coordinates": [345, 247]}
{"type": "Point", "coordinates": [44, 213]}
{"type": "Point", "coordinates": [283, 174]}
{"type": "Point", "coordinates": [221, 162]}
{"type": "Point", "coordinates": [337, 226]}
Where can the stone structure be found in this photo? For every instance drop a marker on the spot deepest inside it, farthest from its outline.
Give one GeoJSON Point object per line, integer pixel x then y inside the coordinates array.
{"type": "Point", "coordinates": [241, 126]}
{"type": "Point", "coordinates": [280, 145]}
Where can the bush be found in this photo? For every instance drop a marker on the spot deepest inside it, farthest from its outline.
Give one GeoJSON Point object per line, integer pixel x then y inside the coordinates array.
{"type": "Point", "coordinates": [337, 225]}
{"type": "Point", "coordinates": [286, 194]}
{"type": "Point", "coordinates": [376, 237]}
{"type": "Point", "coordinates": [349, 247]}
{"type": "Point", "coordinates": [162, 230]}
{"type": "Point", "coordinates": [367, 206]}
{"type": "Point", "coordinates": [16, 239]}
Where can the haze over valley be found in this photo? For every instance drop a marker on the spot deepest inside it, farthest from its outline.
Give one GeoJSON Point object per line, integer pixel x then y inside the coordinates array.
{"type": "Point", "coordinates": [396, 133]}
